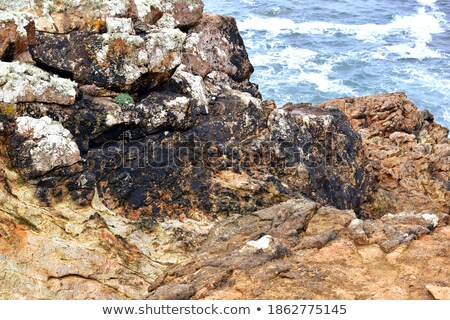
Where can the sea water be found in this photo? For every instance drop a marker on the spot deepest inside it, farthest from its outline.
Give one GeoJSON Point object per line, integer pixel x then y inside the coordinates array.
{"type": "Point", "coordinates": [316, 50]}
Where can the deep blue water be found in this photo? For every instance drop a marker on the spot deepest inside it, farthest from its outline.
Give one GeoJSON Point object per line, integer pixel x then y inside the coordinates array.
{"type": "Point", "coordinates": [313, 50]}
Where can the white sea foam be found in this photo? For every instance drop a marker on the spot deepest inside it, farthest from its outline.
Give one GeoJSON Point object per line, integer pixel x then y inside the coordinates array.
{"type": "Point", "coordinates": [418, 50]}
{"type": "Point", "coordinates": [250, 2]}
{"type": "Point", "coordinates": [417, 29]}
{"type": "Point", "coordinates": [323, 83]}
{"type": "Point", "coordinates": [302, 68]}
{"type": "Point", "coordinates": [427, 2]}
{"type": "Point", "coordinates": [447, 114]}
{"type": "Point", "coordinates": [433, 81]}
{"type": "Point", "coordinates": [421, 24]}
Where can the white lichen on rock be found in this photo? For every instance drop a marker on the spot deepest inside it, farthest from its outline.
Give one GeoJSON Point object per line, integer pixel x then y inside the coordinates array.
{"type": "Point", "coordinates": [195, 86]}
{"type": "Point", "coordinates": [119, 25]}
{"type": "Point", "coordinates": [179, 107]}
{"type": "Point", "coordinates": [145, 7]}
{"type": "Point", "coordinates": [163, 44]}
{"type": "Point", "coordinates": [49, 144]}
{"type": "Point", "coordinates": [20, 19]}
{"type": "Point", "coordinates": [432, 218]}
{"type": "Point", "coordinates": [21, 82]}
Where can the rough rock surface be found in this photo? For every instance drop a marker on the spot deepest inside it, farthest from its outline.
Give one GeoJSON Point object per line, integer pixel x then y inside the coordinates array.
{"type": "Point", "coordinates": [68, 252]}
{"type": "Point", "coordinates": [263, 256]}
{"type": "Point", "coordinates": [117, 61]}
{"type": "Point", "coordinates": [14, 28]}
{"type": "Point", "coordinates": [215, 45]}
{"type": "Point", "coordinates": [138, 161]}
{"type": "Point", "coordinates": [20, 82]}
{"type": "Point", "coordinates": [409, 153]}
{"type": "Point", "coordinates": [237, 158]}
{"type": "Point", "coordinates": [56, 16]}
{"type": "Point", "coordinates": [439, 293]}
{"type": "Point", "coordinates": [41, 145]}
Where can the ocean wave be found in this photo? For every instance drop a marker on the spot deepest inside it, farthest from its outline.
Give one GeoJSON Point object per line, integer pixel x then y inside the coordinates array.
{"type": "Point", "coordinates": [416, 29]}
{"type": "Point", "coordinates": [421, 25]}
{"type": "Point", "coordinates": [417, 51]}
{"type": "Point", "coordinates": [427, 2]}
{"type": "Point", "coordinates": [432, 81]}
{"type": "Point", "coordinates": [321, 79]}
{"type": "Point", "coordinates": [303, 68]}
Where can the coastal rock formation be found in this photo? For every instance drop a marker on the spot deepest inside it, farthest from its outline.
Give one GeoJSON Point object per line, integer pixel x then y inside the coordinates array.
{"type": "Point", "coordinates": [14, 28]}
{"type": "Point", "coordinates": [117, 61]}
{"type": "Point", "coordinates": [20, 82]}
{"type": "Point", "coordinates": [409, 153]}
{"type": "Point", "coordinates": [137, 160]}
{"type": "Point", "coordinates": [188, 142]}
{"type": "Point", "coordinates": [41, 145]}
{"type": "Point", "coordinates": [53, 16]}
{"type": "Point", "coordinates": [265, 255]}
{"type": "Point", "coordinates": [68, 252]}
{"type": "Point", "coordinates": [214, 45]}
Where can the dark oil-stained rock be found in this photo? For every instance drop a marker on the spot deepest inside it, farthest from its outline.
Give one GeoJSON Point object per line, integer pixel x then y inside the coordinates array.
{"type": "Point", "coordinates": [240, 156]}
{"type": "Point", "coordinates": [409, 154]}
{"type": "Point", "coordinates": [166, 154]}
{"type": "Point", "coordinates": [120, 62]}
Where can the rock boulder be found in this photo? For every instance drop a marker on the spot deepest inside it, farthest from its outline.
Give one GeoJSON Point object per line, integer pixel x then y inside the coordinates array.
{"type": "Point", "coordinates": [120, 61]}
{"type": "Point", "coordinates": [41, 145]}
{"type": "Point", "coordinates": [21, 82]}
{"type": "Point", "coordinates": [409, 153]}
{"type": "Point", "coordinates": [215, 44]}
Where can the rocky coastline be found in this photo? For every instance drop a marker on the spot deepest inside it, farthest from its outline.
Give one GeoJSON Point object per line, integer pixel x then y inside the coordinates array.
{"type": "Point", "coordinates": [138, 161]}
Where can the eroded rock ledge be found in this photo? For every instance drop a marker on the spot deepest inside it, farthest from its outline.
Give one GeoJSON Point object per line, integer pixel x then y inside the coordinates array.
{"type": "Point", "coordinates": [139, 161]}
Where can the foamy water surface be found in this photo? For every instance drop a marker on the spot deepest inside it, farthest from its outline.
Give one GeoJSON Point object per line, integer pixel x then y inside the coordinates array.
{"type": "Point", "coordinates": [313, 51]}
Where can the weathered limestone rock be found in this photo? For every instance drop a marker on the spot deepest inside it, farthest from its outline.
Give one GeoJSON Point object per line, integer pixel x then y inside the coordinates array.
{"type": "Point", "coordinates": [41, 145]}
{"type": "Point", "coordinates": [54, 16]}
{"type": "Point", "coordinates": [68, 252]}
{"type": "Point", "coordinates": [186, 83]}
{"type": "Point", "coordinates": [117, 61]}
{"type": "Point", "coordinates": [186, 13]}
{"type": "Point", "coordinates": [215, 45]}
{"type": "Point", "coordinates": [409, 154]}
{"type": "Point", "coordinates": [14, 27]}
{"type": "Point", "coordinates": [65, 16]}
{"type": "Point", "coordinates": [217, 82]}
{"type": "Point", "coordinates": [266, 254]}
{"type": "Point", "coordinates": [439, 293]}
{"type": "Point", "coordinates": [133, 184]}
{"type": "Point", "coordinates": [21, 82]}
{"type": "Point", "coordinates": [393, 230]}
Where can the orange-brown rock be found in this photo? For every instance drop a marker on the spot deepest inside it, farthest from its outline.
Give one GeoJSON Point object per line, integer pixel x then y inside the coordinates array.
{"type": "Point", "coordinates": [293, 251]}
{"type": "Point", "coordinates": [409, 153]}
{"type": "Point", "coordinates": [14, 29]}
{"type": "Point", "coordinates": [68, 252]}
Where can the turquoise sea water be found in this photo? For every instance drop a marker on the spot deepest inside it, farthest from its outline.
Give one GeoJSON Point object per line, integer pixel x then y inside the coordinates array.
{"type": "Point", "coordinates": [313, 51]}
